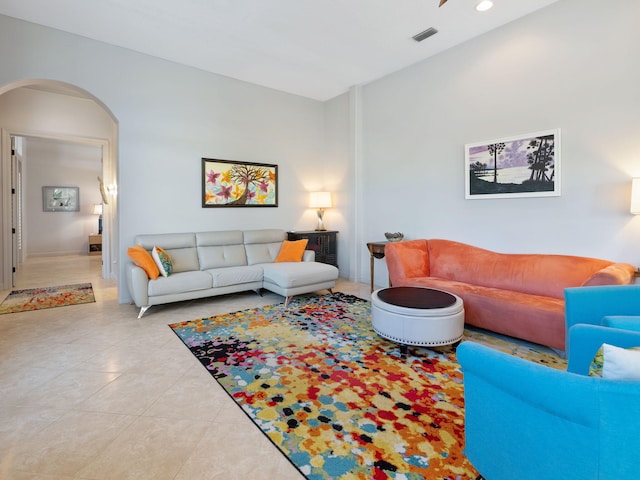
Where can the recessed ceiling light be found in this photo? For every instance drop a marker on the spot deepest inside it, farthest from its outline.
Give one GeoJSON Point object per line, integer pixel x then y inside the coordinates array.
{"type": "Point", "coordinates": [484, 5]}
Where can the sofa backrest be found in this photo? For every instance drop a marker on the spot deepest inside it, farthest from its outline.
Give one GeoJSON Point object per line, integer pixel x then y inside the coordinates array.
{"type": "Point", "coordinates": [220, 249]}
{"type": "Point", "coordinates": [227, 248]}
{"type": "Point", "coordinates": [538, 274]}
{"type": "Point", "coordinates": [180, 246]}
{"type": "Point", "coordinates": [263, 246]}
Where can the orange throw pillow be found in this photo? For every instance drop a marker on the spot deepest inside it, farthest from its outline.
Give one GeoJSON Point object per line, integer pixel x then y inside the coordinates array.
{"type": "Point", "coordinates": [143, 259]}
{"type": "Point", "coordinates": [292, 251]}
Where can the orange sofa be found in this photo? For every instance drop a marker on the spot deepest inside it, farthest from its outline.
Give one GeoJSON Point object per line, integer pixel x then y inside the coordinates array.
{"type": "Point", "coordinates": [520, 295]}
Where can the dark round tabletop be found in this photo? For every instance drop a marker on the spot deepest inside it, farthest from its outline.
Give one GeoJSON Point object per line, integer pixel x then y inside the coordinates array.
{"type": "Point", "coordinates": [416, 297]}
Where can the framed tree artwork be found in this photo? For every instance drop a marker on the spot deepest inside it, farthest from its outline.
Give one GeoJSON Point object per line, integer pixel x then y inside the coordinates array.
{"type": "Point", "coordinates": [521, 166]}
{"type": "Point", "coordinates": [228, 183]}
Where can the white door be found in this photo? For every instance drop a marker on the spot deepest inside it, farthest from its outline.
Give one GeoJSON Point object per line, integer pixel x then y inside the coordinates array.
{"type": "Point", "coordinates": [15, 212]}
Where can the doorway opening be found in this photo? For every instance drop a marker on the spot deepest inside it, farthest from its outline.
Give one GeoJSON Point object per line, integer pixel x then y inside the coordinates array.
{"type": "Point", "coordinates": [48, 117]}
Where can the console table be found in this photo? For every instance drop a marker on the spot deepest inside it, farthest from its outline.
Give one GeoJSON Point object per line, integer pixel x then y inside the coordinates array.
{"type": "Point", "coordinates": [95, 244]}
{"type": "Point", "coordinates": [324, 243]}
{"type": "Point", "coordinates": [376, 249]}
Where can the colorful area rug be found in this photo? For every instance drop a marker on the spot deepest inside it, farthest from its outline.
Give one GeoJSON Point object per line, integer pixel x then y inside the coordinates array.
{"type": "Point", "coordinates": [47, 297]}
{"type": "Point", "coordinates": [338, 400]}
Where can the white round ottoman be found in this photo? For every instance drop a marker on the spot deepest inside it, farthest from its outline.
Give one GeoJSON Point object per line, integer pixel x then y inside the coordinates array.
{"type": "Point", "coordinates": [417, 316]}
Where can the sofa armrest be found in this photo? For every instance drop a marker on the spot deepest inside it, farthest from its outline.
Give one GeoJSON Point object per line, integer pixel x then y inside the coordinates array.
{"type": "Point", "coordinates": [616, 274]}
{"type": "Point", "coordinates": [407, 259]}
{"type": "Point", "coordinates": [585, 340]}
{"type": "Point", "coordinates": [622, 321]}
{"type": "Point", "coordinates": [309, 256]}
{"type": "Point", "coordinates": [590, 304]}
{"type": "Point", "coordinates": [138, 282]}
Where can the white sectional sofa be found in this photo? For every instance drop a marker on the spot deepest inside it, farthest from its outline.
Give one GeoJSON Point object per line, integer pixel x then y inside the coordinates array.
{"type": "Point", "coordinates": [215, 263]}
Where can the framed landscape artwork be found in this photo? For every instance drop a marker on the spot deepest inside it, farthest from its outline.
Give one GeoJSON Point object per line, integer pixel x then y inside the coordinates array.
{"type": "Point", "coordinates": [522, 166]}
{"type": "Point", "coordinates": [60, 199]}
{"type": "Point", "coordinates": [228, 183]}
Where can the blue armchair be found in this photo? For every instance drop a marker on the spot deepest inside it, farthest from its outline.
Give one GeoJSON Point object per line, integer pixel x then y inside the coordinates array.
{"type": "Point", "coordinates": [615, 306]}
{"type": "Point", "coordinates": [528, 421]}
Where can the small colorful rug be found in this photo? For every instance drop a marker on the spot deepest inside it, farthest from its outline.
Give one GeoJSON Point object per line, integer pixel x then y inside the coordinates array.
{"type": "Point", "coordinates": [338, 400]}
{"type": "Point", "coordinates": [47, 297]}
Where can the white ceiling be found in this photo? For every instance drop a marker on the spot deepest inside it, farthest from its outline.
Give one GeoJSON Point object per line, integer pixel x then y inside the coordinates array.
{"type": "Point", "coordinates": [314, 48]}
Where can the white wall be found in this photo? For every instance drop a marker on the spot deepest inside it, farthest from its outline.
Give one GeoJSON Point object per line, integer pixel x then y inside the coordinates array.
{"type": "Point", "coordinates": [169, 117]}
{"type": "Point", "coordinates": [55, 163]}
{"type": "Point", "coordinates": [574, 65]}
{"type": "Point", "coordinates": [335, 175]}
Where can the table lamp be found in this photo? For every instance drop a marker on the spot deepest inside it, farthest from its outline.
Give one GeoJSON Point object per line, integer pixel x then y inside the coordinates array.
{"type": "Point", "coordinates": [320, 201]}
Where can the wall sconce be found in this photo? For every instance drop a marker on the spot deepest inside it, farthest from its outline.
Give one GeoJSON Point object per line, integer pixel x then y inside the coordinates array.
{"type": "Point", "coordinates": [320, 201]}
{"type": "Point", "coordinates": [97, 210]}
{"type": "Point", "coordinates": [635, 196]}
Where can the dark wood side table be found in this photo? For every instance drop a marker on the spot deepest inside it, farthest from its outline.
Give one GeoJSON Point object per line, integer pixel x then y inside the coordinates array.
{"type": "Point", "coordinates": [323, 242]}
{"type": "Point", "coordinates": [95, 244]}
{"type": "Point", "coordinates": [376, 249]}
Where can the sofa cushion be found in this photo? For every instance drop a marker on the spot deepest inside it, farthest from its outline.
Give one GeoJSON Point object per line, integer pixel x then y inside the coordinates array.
{"type": "Point", "coordinates": [179, 283]}
{"type": "Point", "coordinates": [298, 274]}
{"type": "Point", "coordinates": [226, 276]}
{"type": "Point", "coordinates": [409, 259]}
{"type": "Point", "coordinates": [263, 246]}
{"type": "Point", "coordinates": [220, 249]}
{"type": "Point", "coordinates": [505, 311]}
{"type": "Point", "coordinates": [181, 247]}
{"type": "Point", "coordinates": [222, 256]}
{"type": "Point", "coordinates": [267, 235]}
{"type": "Point", "coordinates": [216, 239]}
{"type": "Point", "coordinates": [538, 274]}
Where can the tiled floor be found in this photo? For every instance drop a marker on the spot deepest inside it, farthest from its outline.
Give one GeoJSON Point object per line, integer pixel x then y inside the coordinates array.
{"type": "Point", "coordinates": [91, 392]}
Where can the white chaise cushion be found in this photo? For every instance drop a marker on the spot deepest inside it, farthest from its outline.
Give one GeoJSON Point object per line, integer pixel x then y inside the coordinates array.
{"type": "Point", "coordinates": [298, 274]}
{"type": "Point", "coordinates": [223, 277]}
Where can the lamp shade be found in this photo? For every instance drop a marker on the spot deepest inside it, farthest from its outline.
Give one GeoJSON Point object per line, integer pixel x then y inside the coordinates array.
{"type": "Point", "coordinates": [97, 209]}
{"type": "Point", "coordinates": [635, 196]}
{"type": "Point", "coordinates": [320, 200]}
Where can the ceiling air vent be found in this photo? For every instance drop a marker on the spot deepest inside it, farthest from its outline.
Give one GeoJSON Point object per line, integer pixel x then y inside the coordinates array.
{"type": "Point", "coordinates": [426, 34]}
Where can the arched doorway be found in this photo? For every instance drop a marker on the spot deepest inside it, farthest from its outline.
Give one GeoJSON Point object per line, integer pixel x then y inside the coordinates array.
{"type": "Point", "coordinates": [59, 111]}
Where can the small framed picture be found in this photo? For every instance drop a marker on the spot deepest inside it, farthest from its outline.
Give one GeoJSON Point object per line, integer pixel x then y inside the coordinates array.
{"type": "Point", "coordinates": [60, 199]}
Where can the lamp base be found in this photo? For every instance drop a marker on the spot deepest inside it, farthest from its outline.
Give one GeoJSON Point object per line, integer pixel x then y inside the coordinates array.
{"type": "Point", "coordinates": [320, 227]}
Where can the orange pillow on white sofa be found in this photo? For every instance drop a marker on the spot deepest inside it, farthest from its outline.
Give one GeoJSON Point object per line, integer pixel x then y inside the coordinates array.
{"type": "Point", "coordinates": [292, 250]}
{"type": "Point", "coordinates": [143, 259]}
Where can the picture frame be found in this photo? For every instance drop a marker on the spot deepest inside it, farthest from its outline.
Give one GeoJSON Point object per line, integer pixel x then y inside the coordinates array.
{"type": "Point", "coordinates": [525, 165]}
{"type": "Point", "coordinates": [60, 199]}
{"type": "Point", "coordinates": [230, 183]}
